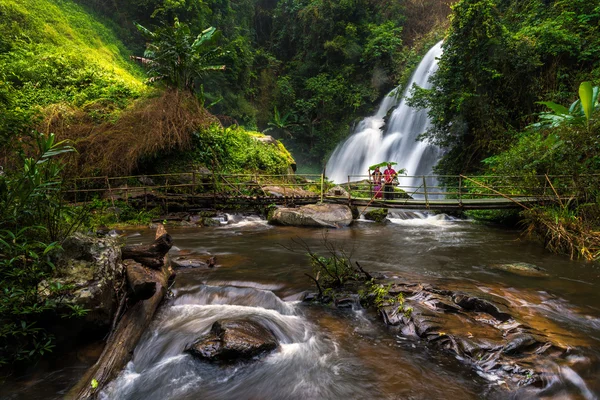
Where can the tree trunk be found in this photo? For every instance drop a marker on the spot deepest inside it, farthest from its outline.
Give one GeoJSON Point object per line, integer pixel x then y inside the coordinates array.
{"type": "Point", "coordinates": [121, 343]}
{"type": "Point", "coordinates": [151, 255]}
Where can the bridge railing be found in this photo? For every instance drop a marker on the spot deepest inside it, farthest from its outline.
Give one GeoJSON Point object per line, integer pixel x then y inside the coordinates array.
{"type": "Point", "coordinates": [195, 183]}
{"type": "Point", "coordinates": [250, 185]}
{"type": "Point", "coordinates": [437, 187]}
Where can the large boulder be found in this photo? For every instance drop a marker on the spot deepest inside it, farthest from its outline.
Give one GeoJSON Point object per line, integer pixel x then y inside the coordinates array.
{"type": "Point", "coordinates": [233, 340]}
{"type": "Point", "coordinates": [89, 269]}
{"type": "Point", "coordinates": [316, 215]}
{"type": "Point", "coordinates": [337, 191]}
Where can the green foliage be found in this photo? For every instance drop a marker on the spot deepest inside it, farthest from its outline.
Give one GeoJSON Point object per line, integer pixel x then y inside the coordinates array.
{"type": "Point", "coordinates": [179, 59]}
{"type": "Point", "coordinates": [106, 213]}
{"type": "Point", "coordinates": [568, 146]}
{"type": "Point", "coordinates": [33, 221]}
{"type": "Point", "coordinates": [564, 144]}
{"type": "Point", "coordinates": [378, 295]}
{"type": "Point", "coordinates": [234, 150]}
{"type": "Point", "coordinates": [579, 113]}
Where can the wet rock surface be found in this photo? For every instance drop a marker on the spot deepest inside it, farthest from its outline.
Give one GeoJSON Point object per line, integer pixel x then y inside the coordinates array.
{"type": "Point", "coordinates": [478, 331]}
{"type": "Point", "coordinates": [485, 327]}
{"type": "Point", "coordinates": [283, 191]}
{"type": "Point", "coordinates": [313, 215]}
{"type": "Point", "coordinates": [232, 340]}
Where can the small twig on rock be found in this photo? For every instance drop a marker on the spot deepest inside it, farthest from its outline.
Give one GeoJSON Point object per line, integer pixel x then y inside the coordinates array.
{"type": "Point", "coordinates": [318, 285]}
{"type": "Point", "coordinates": [367, 275]}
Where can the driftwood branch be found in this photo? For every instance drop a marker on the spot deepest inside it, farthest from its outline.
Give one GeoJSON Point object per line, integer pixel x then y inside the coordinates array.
{"type": "Point", "coordinates": [141, 281]}
{"type": "Point", "coordinates": [318, 285]}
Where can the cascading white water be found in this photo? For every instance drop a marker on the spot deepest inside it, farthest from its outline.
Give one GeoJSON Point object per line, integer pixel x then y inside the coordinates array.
{"type": "Point", "coordinates": [370, 145]}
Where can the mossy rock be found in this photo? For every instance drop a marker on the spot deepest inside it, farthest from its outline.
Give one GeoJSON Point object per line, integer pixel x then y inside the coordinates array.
{"type": "Point", "coordinates": [210, 222]}
{"type": "Point", "coordinates": [401, 194]}
{"type": "Point", "coordinates": [377, 214]}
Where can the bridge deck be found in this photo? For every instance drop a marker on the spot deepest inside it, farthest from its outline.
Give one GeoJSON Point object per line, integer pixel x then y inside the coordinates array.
{"type": "Point", "coordinates": [443, 204]}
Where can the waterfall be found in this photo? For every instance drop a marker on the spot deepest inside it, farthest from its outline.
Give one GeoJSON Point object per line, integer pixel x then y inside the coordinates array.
{"type": "Point", "coordinates": [369, 144]}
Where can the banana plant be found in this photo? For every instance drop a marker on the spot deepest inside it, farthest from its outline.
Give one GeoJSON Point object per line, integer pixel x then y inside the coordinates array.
{"type": "Point", "coordinates": [579, 113]}
{"type": "Point", "coordinates": [175, 56]}
{"type": "Point", "coordinates": [280, 123]}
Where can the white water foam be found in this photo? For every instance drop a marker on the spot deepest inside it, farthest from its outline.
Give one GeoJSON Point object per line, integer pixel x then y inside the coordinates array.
{"type": "Point", "coordinates": [422, 219]}
{"type": "Point", "coordinates": [249, 222]}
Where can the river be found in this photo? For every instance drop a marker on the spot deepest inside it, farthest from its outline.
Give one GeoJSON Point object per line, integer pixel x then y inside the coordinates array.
{"type": "Point", "coordinates": [327, 353]}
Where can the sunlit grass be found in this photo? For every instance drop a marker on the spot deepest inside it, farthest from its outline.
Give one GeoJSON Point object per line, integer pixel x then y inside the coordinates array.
{"type": "Point", "coordinates": [64, 27]}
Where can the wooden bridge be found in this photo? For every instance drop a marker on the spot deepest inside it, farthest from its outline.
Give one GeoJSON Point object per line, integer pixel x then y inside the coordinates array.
{"type": "Point", "coordinates": [201, 190]}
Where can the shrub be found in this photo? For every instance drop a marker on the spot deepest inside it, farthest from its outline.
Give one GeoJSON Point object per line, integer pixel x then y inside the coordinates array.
{"type": "Point", "coordinates": [33, 221]}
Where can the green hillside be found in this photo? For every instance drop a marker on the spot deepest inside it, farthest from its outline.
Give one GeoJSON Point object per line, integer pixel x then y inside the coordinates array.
{"type": "Point", "coordinates": [54, 52]}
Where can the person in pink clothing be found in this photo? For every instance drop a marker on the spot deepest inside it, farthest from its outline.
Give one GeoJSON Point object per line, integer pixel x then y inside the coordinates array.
{"type": "Point", "coordinates": [388, 179]}
{"type": "Point", "coordinates": [377, 177]}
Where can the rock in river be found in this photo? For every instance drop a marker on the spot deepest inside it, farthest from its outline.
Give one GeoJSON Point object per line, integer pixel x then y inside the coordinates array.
{"type": "Point", "coordinates": [232, 340]}
{"type": "Point", "coordinates": [317, 215]}
{"type": "Point", "coordinates": [521, 268]}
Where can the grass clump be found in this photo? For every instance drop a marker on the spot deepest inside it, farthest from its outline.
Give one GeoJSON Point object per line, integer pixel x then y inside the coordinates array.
{"type": "Point", "coordinates": [563, 230]}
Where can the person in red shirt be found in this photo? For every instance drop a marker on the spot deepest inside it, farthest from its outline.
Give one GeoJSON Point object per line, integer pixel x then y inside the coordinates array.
{"type": "Point", "coordinates": [388, 179]}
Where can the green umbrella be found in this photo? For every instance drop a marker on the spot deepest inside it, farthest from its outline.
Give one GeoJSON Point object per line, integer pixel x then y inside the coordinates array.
{"type": "Point", "coordinates": [382, 164]}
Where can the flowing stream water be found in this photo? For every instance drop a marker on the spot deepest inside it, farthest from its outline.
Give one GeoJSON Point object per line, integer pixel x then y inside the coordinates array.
{"type": "Point", "coordinates": [372, 142]}
{"type": "Point", "coordinates": [328, 353]}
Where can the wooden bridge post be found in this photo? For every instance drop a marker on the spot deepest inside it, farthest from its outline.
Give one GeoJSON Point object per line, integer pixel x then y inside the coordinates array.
{"type": "Point", "coordinates": [460, 191]}
{"type": "Point", "coordinates": [349, 190]}
{"type": "Point", "coordinates": [214, 189]}
{"type": "Point", "coordinates": [193, 182]}
{"type": "Point", "coordinates": [425, 191]}
{"type": "Point", "coordinates": [112, 200]}
{"type": "Point", "coordinates": [322, 184]}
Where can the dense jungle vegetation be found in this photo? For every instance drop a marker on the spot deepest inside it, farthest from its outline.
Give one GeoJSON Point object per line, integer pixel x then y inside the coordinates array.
{"type": "Point", "coordinates": [302, 71]}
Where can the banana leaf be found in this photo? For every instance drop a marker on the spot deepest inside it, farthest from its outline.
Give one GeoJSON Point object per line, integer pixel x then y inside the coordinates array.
{"type": "Point", "coordinates": [382, 164]}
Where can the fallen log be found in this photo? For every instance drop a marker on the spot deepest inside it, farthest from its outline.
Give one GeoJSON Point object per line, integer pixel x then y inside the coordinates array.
{"type": "Point", "coordinates": [151, 255]}
{"type": "Point", "coordinates": [121, 343]}
{"type": "Point", "coordinates": [140, 280]}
